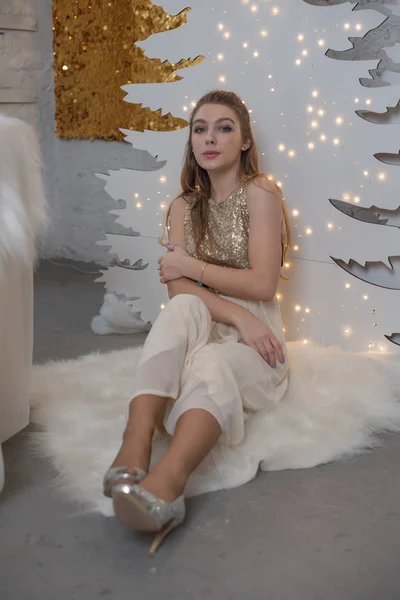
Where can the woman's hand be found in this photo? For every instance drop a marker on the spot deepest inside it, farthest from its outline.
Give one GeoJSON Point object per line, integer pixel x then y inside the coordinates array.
{"type": "Point", "coordinates": [257, 335]}
{"type": "Point", "coordinates": [172, 264]}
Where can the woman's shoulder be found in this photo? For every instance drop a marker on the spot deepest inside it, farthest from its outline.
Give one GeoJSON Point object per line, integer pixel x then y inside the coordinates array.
{"type": "Point", "coordinates": [260, 184]}
{"type": "Point", "coordinates": [179, 205]}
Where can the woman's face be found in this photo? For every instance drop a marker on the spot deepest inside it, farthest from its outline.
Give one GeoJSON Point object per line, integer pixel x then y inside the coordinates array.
{"type": "Point", "coordinates": [216, 137]}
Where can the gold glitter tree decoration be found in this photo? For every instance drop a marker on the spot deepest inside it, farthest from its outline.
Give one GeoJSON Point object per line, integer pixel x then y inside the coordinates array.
{"type": "Point", "coordinates": [95, 54]}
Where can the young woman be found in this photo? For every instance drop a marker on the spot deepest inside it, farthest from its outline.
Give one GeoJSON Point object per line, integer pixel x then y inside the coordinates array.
{"type": "Point", "coordinates": [217, 350]}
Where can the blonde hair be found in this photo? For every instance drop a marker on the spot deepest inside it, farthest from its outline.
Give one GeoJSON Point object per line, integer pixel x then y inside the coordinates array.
{"type": "Point", "coordinates": [195, 182]}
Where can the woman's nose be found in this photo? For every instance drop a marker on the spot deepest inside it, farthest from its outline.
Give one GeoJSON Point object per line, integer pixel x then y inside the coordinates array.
{"type": "Point", "coordinates": [210, 138]}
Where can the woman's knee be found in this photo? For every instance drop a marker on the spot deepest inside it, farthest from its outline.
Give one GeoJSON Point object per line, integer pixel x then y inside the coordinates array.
{"type": "Point", "coordinates": [183, 300]}
{"type": "Point", "coordinates": [188, 304]}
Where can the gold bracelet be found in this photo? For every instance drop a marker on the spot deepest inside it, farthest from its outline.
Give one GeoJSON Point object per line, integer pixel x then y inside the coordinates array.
{"type": "Point", "coordinates": [202, 271]}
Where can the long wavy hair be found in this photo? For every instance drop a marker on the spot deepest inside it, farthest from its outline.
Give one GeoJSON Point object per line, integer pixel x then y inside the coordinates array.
{"type": "Point", "coordinates": [195, 181]}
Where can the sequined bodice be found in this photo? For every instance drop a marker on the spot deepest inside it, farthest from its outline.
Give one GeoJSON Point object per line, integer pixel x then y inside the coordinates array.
{"type": "Point", "coordinates": [229, 226]}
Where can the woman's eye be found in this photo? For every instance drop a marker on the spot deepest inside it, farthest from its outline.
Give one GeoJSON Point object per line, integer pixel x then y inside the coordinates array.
{"type": "Point", "coordinates": [199, 130]}
{"type": "Point", "coordinates": [226, 128]}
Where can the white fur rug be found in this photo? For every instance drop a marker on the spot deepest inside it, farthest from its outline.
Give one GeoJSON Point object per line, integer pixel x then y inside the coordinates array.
{"type": "Point", "coordinates": [336, 404]}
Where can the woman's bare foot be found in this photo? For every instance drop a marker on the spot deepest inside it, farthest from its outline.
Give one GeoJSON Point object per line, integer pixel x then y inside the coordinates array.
{"type": "Point", "coordinates": [164, 484]}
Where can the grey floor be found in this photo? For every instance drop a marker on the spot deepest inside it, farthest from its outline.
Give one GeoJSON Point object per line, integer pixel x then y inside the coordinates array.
{"type": "Point", "coordinates": [331, 532]}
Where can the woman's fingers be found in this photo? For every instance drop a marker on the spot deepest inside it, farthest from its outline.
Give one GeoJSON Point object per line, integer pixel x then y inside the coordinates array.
{"type": "Point", "coordinates": [278, 350]}
{"type": "Point", "coordinates": [262, 351]}
{"type": "Point", "coordinates": [269, 349]}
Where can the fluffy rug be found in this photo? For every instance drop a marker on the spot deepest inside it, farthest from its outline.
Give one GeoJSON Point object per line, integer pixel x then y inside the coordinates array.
{"type": "Point", "coordinates": [336, 405]}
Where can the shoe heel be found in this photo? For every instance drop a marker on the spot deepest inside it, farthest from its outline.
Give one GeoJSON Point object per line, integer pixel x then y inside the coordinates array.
{"type": "Point", "coordinates": [161, 534]}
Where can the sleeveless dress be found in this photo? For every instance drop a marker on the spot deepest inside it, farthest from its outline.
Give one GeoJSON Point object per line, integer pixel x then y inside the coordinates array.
{"type": "Point", "coordinates": [198, 363]}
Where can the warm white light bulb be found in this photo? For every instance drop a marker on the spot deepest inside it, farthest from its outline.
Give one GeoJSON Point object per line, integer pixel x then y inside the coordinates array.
{"type": "Point", "coordinates": [275, 10]}
{"type": "Point", "coordinates": [365, 297]}
{"type": "Point", "coordinates": [346, 26]}
{"type": "Point", "coordinates": [304, 52]}
{"type": "Point", "coordinates": [356, 100]}
{"type": "Point", "coordinates": [336, 141]}
{"type": "Point", "coordinates": [264, 33]}
{"type": "Point", "coordinates": [295, 212]}
{"type": "Point", "coordinates": [255, 54]}
{"type": "Point", "coordinates": [163, 179]}
{"type": "Point", "coordinates": [300, 37]}
{"type": "Point", "coordinates": [322, 137]}
{"type": "Point", "coordinates": [339, 121]}
{"type": "Point", "coordinates": [358, 27]}
{"type": "Point", "coordinates": [368, 101]}
{"type": "Point", "coordinates": [291, 153]}
{"type": "Point", "coordinates": [311, 146]}
{"type": "Point", "coordinates": [314, 124]}
{"type": "Point", "coordinates": [296, 248]}
{"type": "Point", "coordinates": [220, 56]}
{"type": "Point", "coordinates": [308, 231]}
{"type": "Point", "coordinates": [347, 286]}
{"type": "Point", "coordinates": [310, 108]}
{"type": "Point", "coordinates": [297, 308]}
{"type": "Point", "coordinates": [298, 61]}
{"type": "Point", "coordinates": [315, 93]}
{"type": "Point", "coordinates": [136, 195]}
{"type": "Point", "coordinates": [365, 173]}
{"type": "Point", "coordinates": [357, 199]}
{"type": "Point", "coordinates": [245, 45]}
{"type": "Point", "coordinates": [321, 112]}
{"type": "Point", "coordinates": [321, 43]}
{"type": "Point", "coordinates": [382, 176]}
{"type": "Point", "coordinates": [162, 306]}
{"type": "Point", "coordinates": [307, 310]}
{"type": "Point", "coordinates": [138, 205]}
{"type": "Point", "coordinates": [254, 8]}
{"type": "Point", "coordinates": [330, 225]}
{"type": "Point", "coordinates": [281, 147]}
{"type": "Point", "coordinates": [220, 26]}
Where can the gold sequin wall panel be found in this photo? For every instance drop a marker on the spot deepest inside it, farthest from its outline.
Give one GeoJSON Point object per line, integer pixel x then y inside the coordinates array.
{"type": "Point", "coordinates": [95, 54]}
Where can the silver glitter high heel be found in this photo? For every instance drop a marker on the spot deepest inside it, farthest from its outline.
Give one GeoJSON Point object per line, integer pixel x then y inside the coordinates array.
{"type": "Point", "coordinates": [115, 474]}
{"type": "Point", "coordinates": [138, 509]}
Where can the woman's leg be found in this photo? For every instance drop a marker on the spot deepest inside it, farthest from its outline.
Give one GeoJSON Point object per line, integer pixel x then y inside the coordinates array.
{"type": "Point", "coordinates": [146, 412]}
{"type": "Point", "coordinates": [183, 327]}
{"type": "Point", "coordinates": [196, 433]}
{"type": "Point", "coordinates": [208, 406]}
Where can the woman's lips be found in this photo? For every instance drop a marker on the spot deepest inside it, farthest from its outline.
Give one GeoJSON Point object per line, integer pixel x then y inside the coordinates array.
{"type": "Point", "coordinates": [210, 154]}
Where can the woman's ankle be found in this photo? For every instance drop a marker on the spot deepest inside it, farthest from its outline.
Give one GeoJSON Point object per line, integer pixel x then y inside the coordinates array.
{"type": "Point", "coordinates": [134, 452]}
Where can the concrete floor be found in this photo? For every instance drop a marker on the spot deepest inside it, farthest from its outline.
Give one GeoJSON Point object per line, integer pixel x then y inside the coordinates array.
{"type": "Point", "coordinates": [328, 533]}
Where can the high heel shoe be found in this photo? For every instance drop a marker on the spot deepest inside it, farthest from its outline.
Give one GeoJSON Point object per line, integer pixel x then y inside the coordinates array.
{"type": "Point", "coordinates": [138, 509]}
{"type": "Point", "coordinates": [115, 474]}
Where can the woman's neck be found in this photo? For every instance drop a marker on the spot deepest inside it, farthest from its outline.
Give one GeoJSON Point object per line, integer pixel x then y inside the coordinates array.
{"type": "Point", "coordinates": [222, 184]}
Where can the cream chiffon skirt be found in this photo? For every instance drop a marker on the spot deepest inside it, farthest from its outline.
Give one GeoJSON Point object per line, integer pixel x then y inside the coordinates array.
{"type": "Point", "coordinates": [199, 364]}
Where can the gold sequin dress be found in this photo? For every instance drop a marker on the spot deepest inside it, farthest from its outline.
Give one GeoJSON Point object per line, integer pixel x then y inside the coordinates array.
{"type": "Point", "coordinates": [198, 363]}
